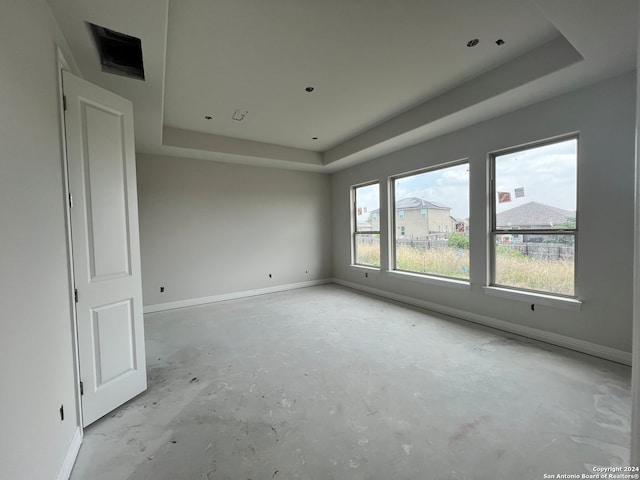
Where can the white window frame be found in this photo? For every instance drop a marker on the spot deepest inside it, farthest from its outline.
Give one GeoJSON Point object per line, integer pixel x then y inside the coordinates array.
{"type": "Point", "coordinates": [504, 290]}
{"type": "Point", "coordinates": [354, 221]}
{"type": "Point", "coordinates": [393, 270]}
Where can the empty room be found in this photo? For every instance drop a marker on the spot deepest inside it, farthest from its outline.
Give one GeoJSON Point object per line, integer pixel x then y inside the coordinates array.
{"type": "Point", "coordinates": [319, 239]}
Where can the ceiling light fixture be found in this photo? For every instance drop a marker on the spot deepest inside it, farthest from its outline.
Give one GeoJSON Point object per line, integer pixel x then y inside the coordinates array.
{"type": "Point", "coordinates": [309, 89]}
{"type": "Point", "coordinates": [500, 42]}
{"type": "Point", "coordinates": [473, 43]}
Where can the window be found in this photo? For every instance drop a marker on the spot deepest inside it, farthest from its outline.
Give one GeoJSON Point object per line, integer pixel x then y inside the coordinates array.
{"type": "Point", "coordinates": [429, 205]}
{"type": "Point", "coordinates": [366, 225]}
{"type": "Point", "coordinates": [534, 226]}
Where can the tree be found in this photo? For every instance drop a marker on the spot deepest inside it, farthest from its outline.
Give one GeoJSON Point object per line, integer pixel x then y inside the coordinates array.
{"type": "Point", "coordinates": [458, 240]}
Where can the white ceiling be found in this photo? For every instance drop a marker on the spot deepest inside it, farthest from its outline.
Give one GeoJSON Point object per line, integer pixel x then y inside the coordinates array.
{"type": "Point", "coordinates": [386, 73]}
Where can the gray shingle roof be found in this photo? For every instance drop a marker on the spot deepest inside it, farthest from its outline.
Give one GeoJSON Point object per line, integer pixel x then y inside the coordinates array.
{"type": "Point", "coordinates": [415, 202]}
{"type": "Point", "coordinates": [533, 214]}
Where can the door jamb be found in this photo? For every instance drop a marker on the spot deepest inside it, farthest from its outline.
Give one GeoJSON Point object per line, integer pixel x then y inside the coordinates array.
{"type": "Point", "coordinates": [62, 65]}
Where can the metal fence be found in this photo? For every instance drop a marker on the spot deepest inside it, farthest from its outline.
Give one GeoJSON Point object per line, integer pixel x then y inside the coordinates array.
{"type": "Point", "coordinates": [540, 251]}
{"type": "Point", "coordinates": [426, 243]}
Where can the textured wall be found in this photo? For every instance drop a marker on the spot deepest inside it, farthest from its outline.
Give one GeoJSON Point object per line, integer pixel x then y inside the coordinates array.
{"type": "Point", "coordinates": [211, 228]}
{"type": "Point", "coordinates": [36, 370]}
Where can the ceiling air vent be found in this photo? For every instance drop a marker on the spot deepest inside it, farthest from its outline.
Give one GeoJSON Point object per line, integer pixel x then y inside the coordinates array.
{"type": "Point", "coordinates": [120, 54]}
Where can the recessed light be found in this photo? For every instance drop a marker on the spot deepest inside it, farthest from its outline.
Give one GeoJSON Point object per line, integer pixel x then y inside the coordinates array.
{"type": "Point", "coordinates": [309, 89]}
{"type": "Point", "coordinates": [473, 43]}
{"type": "Point", "coordinates": [500, 42]}
{"type": "Point", "coordinates": [208, 117]}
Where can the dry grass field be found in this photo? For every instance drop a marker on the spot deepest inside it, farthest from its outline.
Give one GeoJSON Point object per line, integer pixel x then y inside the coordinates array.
{"type": "Point", "coordinates": [512, 269]}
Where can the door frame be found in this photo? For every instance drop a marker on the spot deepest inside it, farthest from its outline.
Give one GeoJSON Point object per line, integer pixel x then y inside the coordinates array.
{"type": "Point", "coordinates": [63, 65]}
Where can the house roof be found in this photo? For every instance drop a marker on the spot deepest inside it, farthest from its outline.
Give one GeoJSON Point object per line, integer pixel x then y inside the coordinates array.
{"type": "Point", "coordinates": [415, 202]}
{"type": "Point", "coordinates": [533, 214]}
{"type": "Point", "coordinates": [411, 203]}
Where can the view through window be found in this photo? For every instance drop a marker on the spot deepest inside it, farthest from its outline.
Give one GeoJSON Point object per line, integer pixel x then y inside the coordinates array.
{"type": "Point", "coordinates": [366, 225]}
{"type": "Point", "coordinates": [431, 224]}
{"type": "Point", "coordinates": [534, 217]}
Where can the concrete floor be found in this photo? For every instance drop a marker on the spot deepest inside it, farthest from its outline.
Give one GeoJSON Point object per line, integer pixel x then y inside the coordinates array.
{"type": "Point", "coordinates": [326, 383]}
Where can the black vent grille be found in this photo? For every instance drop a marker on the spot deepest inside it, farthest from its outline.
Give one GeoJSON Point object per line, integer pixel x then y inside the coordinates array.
{"type": "Point", "coordinates": [120, 54]}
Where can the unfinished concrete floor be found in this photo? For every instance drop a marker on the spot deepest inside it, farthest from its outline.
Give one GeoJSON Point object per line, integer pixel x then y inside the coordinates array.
{"type": "Point", "coordinates": [326, 383]}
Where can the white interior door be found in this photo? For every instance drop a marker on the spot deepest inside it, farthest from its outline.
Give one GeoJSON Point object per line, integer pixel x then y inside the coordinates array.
{"type": "Point", "coordinates": [106, 250]}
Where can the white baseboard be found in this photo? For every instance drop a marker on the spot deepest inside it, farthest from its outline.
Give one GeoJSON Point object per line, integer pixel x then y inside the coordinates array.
{"type": "Point", "coordinates": [582, 346]}
{"type": "Point", "coordinates": [231, 296]}
{"type": "Point", "coordinates": [70, 457]}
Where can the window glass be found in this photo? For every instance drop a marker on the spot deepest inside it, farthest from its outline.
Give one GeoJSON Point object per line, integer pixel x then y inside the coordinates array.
{"type": "Point", "coordinates": [534, 217]}
{"type": "Point", "coordinates": [366, 233]}
{"type": "Point", "coordinates": [431, 224]}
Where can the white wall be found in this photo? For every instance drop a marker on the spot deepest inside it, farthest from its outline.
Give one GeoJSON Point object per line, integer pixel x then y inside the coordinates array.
{"type": "Point", "coordinates": [36, 363]}
{"type": "Point", "coordinates": [208, 229]}
{"type": "Point", "coordinates": [635, 380]}
{"type": "Point", "coordinates": [604, 114]}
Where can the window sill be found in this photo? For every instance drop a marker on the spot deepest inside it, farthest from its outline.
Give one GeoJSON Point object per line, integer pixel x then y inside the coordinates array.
{"type": "Point", "coordinates": [431, 280]}
{"type": "Point", "coordinates": [535, 298]}
{"type": "Point", "coordinates": [364, 268]}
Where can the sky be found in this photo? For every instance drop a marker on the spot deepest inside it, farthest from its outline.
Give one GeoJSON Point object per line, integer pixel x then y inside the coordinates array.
{"type": "Point", "coordinates": [547, 174]}
{"type": "Point", "coordinates": [367, 197]}
{"type": "Point", "coordinates": [447, 186]}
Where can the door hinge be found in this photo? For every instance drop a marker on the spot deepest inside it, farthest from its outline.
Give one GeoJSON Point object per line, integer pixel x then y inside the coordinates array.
{"type": "Point", "coordinates": [75, 295]}
{"type": "Point", "coordinates": [70, 200]}
{"type": "Point", "coordinates": [81, 388]}
{"type": "Point", "coordinates": [64, 103]}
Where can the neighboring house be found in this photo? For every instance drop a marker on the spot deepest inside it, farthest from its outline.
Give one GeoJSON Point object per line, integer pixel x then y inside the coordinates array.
{"type": "Point", "coordinates": [364, 226]}
{"type": "Point", "coordinates": [532, 215]}
{"type": "Point", "coordinates": [416, 218]}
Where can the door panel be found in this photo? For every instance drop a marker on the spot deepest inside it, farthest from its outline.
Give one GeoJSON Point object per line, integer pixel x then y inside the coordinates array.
{"type": "Point", "coordinates": [105, 242]}
{"type": "Point", "coordinates": [114, 354]}
{"type": "Point", "coordinates": [105, 192]}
